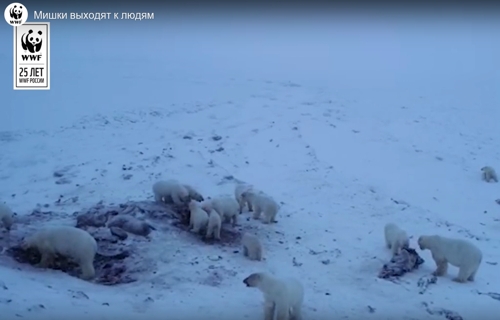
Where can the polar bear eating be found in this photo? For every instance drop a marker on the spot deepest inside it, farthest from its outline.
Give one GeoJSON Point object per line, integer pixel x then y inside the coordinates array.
{"type": "Point", "coordinates": [67, 241]}
{"type": "Point", "coordinates": [395, 238]}
{"type": "Point", "coordinates": [283, 296]}
{"type": "Point", "coordinates": [459, 253]}
{"type": "Point", "coordinates": [166, 190]}
{"type": "Point", "coordinates": [6, 216]}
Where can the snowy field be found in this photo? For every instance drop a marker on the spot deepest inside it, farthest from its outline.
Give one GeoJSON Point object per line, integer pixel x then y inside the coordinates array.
{"type": "Point", "coordinates": [349, 122]}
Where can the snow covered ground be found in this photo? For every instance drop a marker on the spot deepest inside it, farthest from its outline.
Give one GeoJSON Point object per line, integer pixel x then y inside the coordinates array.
{"type": "Point", "coordinates": [351, 123]}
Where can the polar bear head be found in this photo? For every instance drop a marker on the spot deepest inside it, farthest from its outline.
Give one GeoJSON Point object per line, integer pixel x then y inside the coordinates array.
{"type": "Point", "coordinates": [30, 241]}
{"type": "Point", "coordinates": [207, 206]}
{"type": "Point", "coordinates": [254, 280]}
{"type": "Point", "coordinates": [423, 242]}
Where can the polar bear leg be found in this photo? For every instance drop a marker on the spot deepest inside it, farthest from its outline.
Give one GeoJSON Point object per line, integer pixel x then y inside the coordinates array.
{"type": "Point", "coordinates": [282, 311]}
{"type": "Point", "coordinates": [175, 198]}
{"type": "Point", "coordinates": [234, 220]}
{"type": "Point", "coordinates": [472, 277]}
{"type": "Point", "coordinates": [269, 310]}
{"type": "Point", "coordinates": [216, 232]}
{"type": "Point", "coordinates": [245, 251]}
{"type": "Point", "coordinates": [395, 248]}
{"type": "Point", "coordinates": [158, 198]}
{"type": "Point", "coordinates": [296, 313]}
{"type": "Point", "coordinates": [209, 233]}
{"type": "Point", "coordinates": [442, 268]}
{"type": "Point", "coordinates": [241, 203]}
{"type": "Point", "coordinates": [464, 274]}
{"type": "Point", "coordinates": [249, 204]}
{"type": "Point", "coordinates": [88, 271]}
{"type": "Point", "coordinates": [256, 212]}
{"type": "Point", "coordinates": [46, 260]}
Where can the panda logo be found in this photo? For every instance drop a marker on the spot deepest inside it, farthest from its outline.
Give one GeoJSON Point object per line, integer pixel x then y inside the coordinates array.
{"type": "Point", "coordinates": [16, 12]}
{"type": "Point", "coordinates": [32, 41]}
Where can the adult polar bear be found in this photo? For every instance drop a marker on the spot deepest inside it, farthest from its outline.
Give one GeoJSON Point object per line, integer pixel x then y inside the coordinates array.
{"type": "Point", "coordinates": [460, 253]}
{"type": "Point", "coordinates": [168, 191]}
{"type": "Point", "coordinates": [67, 241]}
{"type": "Point", "coordinates": [283, 296]}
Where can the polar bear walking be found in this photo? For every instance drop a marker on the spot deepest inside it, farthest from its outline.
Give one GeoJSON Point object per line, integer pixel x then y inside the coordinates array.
{"type": "Point", "coordinates": [166, 190]}
{"type": "Point", "coordinates": [6, 216]}
{"type": "Point", "coordinates": [252, 248]}
{"type": "Point", "coordinates": [67, 241]}
{"type": "Point", "coordinates": [198, 217]}
{"type": "Point", "coordinates": [261, 203]}
{"type": "Point", "coordinates": [283, 296]}
{"type": "Point", "coordinates": [489, 174]}
{"type": "Point", "coordinates": [395, 238]}
{"type": "Point", "coordinates": [214, 225]}
{"type": "Point", "coordinates": [459, 253]}
{"type": "Point", "coordinates": [227, 208]}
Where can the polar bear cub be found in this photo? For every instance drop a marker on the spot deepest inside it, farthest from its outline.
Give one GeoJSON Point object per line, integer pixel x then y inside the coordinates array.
{"type": "Point", "coordinates": [198, 218]}
{"type": "Point", "coordinates": [6, 216]}
{"type": "Point", "coordinates": [214, 225]}
{"type": "Point", "coordinates": [165, 190]}
{"type": "Point", "coordinates": [459, 253]}
{"type": "Point", "coordinates": [261, 203]}
{"type": "Point", "coordinates": [283, 296]}
{"type": "Point", "coordinates": [226, 206]}
{"type": "Point", "coordinates": [67, 241]}
{"type": "Point", "coordinates": [489, 174]}
{"type": "Point", "coordinates": [395, 238]}
{"type": "Point", "coordinates": [252, 248]}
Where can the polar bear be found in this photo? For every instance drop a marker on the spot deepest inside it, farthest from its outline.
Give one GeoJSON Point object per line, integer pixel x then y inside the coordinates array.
{"type": "Point", "coordinates": [214, 225]}
{"type": "Point", "coordinates": [67, 241]}
{"type": "Point", "coordinates": [262, 203]}
{"type": "Point", "coordinates": [395, 238]}
{"type": "Point", "coordinates": [198, 217]}
{"type": "Point", "coordinates": [459, 253]}
{"type": "Point", "coordinates": [285, 296]}
{"type": "Point", "coordinates": [166, 190]}
{"type": "Point", "coordinates": [489, 174]}
{"type": "Point", "coordinates": [238, 190]}
{"type": "Point", "coordinates": [227, 208]}
{"type": "Point", "coordinates": [252, 248]}
{"type": "Point", "coordinates": [6, 216]}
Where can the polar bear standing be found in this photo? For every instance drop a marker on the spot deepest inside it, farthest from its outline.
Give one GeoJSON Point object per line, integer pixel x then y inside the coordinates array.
{"type": "Point", "coordinates": [165, 190]}
{"type": "Point", "coordinates": [489, 174]}
{"type": "Point", "coordinates": [6, 216]}
{"type": "Point", "coordinates": [395, 238]}
{"type": "Point", "coordinates": [261, 203]}
{"type": "Point", "coordinates": [460, 253]}
{"type": "Point", "coordinates": [214, 225]}
{"type": "Point", "coordinates": [285, 296]}
{"type": "Point", "coordinates": [238, 190]}
{"type": "Point", "coordinates": [252, 248]}
{"type": "Point", "coordinates": [227, 208]}
{"type": "Point", "coordinates": [67, 241]}
{"type": "Point", "coordinates": [198, 217]}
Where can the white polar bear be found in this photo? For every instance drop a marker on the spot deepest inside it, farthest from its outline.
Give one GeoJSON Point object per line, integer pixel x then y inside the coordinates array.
{"type": "Point", "coordinates": [214, 225]}
{"type": "Point", "coordinates": [285, 296]}
{"type": "Point", "coordinates": [227, 208]}
{"type": "Point", "coordinates": [166, 190]}
{"type": "Point", "coordinates": [198, 217]}
{"type": "Point", "coordinates": [67, 241]}
{"type": "Point", "coordinates": [6, 216]}
{"type": "Point", "coordinates": [262, 203]}
{"type": "Point", "coordinates": [252, 248]}
{"type": "Point", "coordinates": [395, 238]}
{"type": "Point", "coordinates": [459, 253]}
{"type": "Point", "coordinates": [238, 190]}
{"type": "Point", "coordinates": [489, 174]}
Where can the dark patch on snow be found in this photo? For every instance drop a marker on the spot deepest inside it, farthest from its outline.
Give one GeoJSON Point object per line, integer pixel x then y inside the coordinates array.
{"type": "Point", "coordinates": [406, 261]}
